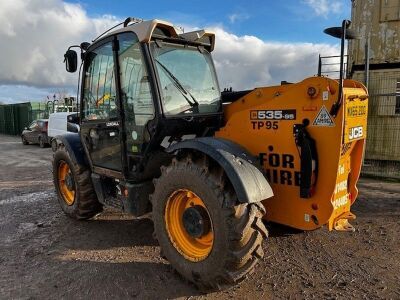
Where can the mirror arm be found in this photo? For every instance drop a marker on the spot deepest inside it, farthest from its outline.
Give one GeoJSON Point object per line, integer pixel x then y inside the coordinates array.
{"type": "Point", "coordinates": [73, 46]}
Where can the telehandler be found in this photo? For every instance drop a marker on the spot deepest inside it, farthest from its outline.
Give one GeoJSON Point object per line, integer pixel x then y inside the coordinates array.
{"type": "Point", "coordinates": [157, 137]}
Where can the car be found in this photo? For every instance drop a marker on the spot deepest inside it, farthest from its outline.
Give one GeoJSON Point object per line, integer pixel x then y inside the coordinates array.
{"type": "Point", "coordinates": [61, 123]}
{"type": "Point", "coordinates": [36, 133]}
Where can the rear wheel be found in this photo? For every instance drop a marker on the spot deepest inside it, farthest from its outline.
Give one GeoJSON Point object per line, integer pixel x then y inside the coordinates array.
{"type": "Point", "coordinates": [24, 141]}
{"type": "Point", "coordinates": [74, 188]}
{"type": "Point", "coordinates": [42, 144]}
{"type": "Point", "coordinates": [205, 233]}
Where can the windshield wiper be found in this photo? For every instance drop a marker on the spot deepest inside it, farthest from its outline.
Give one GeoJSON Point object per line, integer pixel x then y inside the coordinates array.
{"type": "Point", "coordinates": [179, 86]}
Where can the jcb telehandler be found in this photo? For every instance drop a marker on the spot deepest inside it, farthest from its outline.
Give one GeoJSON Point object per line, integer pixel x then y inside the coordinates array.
{"type": "Point", "coordinates": [157, 136]}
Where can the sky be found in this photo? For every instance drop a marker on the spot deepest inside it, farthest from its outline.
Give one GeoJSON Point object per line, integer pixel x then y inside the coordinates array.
{"type": "Point", "coordinates": [258, 43]}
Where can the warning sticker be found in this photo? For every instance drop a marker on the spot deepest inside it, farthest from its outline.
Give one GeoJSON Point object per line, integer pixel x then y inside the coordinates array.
{"type": "Point", "coordinates": [323, 118]}
{"type": "Point", "coordinates": [325, 95]}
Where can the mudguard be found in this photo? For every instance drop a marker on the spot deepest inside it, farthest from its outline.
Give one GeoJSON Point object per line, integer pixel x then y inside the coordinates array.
{"type": "Point", "coordinates": [241, 167]}
{"type": "Point", "coordinates": [73, 145]}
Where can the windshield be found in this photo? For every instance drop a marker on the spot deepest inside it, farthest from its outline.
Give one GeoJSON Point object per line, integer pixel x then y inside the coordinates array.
{"type": "Point", "coordinates": [187, 79]}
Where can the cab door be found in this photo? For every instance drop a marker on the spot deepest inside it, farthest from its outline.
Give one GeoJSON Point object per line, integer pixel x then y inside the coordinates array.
{"type": "Point", "coordinates": [100, 126]}
{"type": "Point", "coordinates": [137, 98]}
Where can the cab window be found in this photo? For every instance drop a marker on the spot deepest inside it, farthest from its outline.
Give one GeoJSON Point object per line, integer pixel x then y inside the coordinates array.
{"type": "Point", "coordinates": [135, 91]}
{"type": "Point", "coordinates": [99, 94]}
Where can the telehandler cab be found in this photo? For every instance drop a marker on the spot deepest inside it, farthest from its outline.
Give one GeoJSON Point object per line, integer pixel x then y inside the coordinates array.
{"type": "Point", "coordinates": [157, 136]}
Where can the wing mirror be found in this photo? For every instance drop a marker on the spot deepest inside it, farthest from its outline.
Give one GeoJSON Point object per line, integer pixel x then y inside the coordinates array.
{"type": "Point", "coordinates": [71, 60]}
{"type": "Point", "coordinates": [337, 32]}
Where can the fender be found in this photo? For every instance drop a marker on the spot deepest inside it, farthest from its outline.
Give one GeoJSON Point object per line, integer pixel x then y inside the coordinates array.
{"type": "Point", "coordinates": [242, 168]}
{"type": "Point", "coordinates": [72, 143]}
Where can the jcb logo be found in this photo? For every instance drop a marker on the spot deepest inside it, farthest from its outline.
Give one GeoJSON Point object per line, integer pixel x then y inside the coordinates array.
{"type": "Point", "coordinates": [355, 133]}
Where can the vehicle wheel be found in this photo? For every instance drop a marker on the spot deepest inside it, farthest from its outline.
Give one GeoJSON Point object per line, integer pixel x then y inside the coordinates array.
{"type": "Point", "coordinates": [24, 141]}
{"type": "Point", "coordinates": [54, 145]}
{"type": "Point", "coordinates": [74, 187]}
{"type": "Point", "coordinates": [42, 144]}
{"type": "Point", "coordinates": [206, 234]}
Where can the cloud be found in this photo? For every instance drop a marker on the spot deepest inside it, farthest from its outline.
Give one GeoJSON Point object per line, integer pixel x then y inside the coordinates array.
{"type": "Point", "coordinates": [325, 7]}
{"type": "Point", "coordinates": [34, 36]}
{"type": "Point", "coordinates": [32, 50]}
{"type": "Point", "coordinates": [233, 18]}
{"type": "Point", "coordinates": [245, 62]}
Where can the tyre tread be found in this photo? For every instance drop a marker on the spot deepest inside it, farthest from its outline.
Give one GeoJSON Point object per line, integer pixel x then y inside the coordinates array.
{"type": "Point", "coordinates": [246, 230]}
{"type": "Point", "coordinates": [88, 205]}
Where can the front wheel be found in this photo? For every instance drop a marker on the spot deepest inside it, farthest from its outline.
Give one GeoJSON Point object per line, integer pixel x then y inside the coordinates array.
{"type": "Point", "coordinates": [54, 145]}
{"type": "Point", "coordinates": [206, 234]}
{"type": "Point", "coordinates": [74, 188]}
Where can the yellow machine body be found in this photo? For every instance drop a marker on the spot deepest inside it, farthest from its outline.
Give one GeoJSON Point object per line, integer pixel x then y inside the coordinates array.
{"type": "Point", "coordinates": [264, 121]}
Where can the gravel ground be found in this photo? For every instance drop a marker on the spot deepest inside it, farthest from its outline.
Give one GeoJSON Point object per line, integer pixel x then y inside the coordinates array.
{"type": "Point", "coordinates": [44, 254]}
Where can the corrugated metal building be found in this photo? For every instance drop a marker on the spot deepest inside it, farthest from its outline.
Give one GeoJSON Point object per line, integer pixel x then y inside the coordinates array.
{"type": "Point", "coordinates": [15, 117]}
{"type": "Point", "coordinates": [378, 22]}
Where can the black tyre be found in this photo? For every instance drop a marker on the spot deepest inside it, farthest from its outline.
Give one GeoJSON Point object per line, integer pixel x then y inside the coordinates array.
{"type": "Point", "coordinates": [42, 144]}
{"type": "Point", "coordinates": [212, 213]}
{"type": "Point", "coordinates": [74, 188]}
{"type": "Point", "coordinates": [54, 145]}
{"type": "Point", "coordinates": [24, 141]}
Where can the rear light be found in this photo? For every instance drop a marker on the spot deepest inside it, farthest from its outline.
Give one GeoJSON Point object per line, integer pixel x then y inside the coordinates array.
{"type": "Point", "coordinates": [312, 92]}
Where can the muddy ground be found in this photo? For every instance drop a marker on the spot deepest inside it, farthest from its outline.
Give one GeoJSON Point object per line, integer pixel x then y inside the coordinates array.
{"type": "Point", "coordinates": [44, 254]}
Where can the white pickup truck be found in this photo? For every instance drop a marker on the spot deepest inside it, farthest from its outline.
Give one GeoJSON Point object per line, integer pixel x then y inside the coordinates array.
{"type": "Point", "coordinates": [61, 123]}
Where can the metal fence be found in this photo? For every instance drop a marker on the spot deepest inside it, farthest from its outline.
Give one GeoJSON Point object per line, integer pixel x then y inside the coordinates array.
{"type": "Point", "coordinates": [329, 66]}
{"type": "Point", "coordinates": [382, 155]}
{"type": "Point", "coordinates": [40, 110]}
{"type": "Point", "coordinates": [15, 117]}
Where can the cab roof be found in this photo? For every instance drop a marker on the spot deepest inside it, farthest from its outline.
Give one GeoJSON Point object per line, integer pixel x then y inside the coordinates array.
{"type": "Point", "coordinates": [159, 29]}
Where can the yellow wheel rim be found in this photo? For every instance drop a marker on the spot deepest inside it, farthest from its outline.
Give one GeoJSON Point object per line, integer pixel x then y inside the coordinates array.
{"type": "Point", "coordinates": [65, 183]}
{"type": "Point", "coordinates": [193, 249]}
